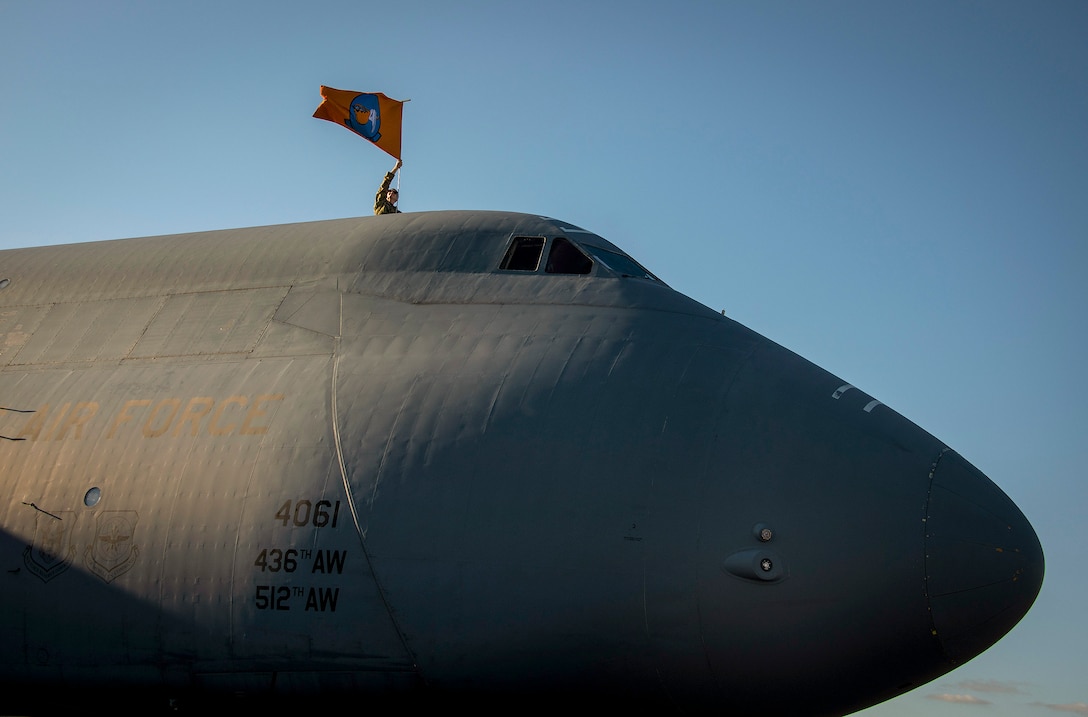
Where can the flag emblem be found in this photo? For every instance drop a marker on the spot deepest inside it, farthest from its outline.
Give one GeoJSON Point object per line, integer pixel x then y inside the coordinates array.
{"type": "Point", "coordinates": [371, 115]}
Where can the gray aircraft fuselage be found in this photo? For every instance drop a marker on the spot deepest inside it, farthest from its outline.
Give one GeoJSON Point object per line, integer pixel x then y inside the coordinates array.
{"type": "Point", "coordinates": [464, 455]}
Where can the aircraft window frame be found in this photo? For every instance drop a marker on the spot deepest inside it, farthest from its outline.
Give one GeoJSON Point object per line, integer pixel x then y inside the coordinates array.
{"type": "Point", "coordinates": [620, 264]}
{"type": "Point", "coordinates": [567, 258]}
{"type": "Point", "coordinates": [92, 496]}
{"type": "Point", "coordinates": [524, 254]}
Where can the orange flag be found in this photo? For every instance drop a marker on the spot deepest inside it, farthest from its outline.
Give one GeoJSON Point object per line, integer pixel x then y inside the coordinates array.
{"type": "Point", "coordinates": [371, 115]}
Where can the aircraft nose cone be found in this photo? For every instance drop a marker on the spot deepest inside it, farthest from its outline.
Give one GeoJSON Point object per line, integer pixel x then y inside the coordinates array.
{"type": "Point", "coordinates": [984, 563]}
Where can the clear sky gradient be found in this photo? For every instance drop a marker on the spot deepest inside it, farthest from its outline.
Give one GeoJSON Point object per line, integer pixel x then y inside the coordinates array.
{"type": "Point", "coordinates": [897, 191]}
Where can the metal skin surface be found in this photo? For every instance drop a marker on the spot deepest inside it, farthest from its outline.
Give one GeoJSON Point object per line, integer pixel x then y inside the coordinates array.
{"type": "Point", "coordinates": [357, 458]}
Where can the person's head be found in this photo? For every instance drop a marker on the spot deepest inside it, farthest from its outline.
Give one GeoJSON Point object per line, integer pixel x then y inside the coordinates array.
{"type": "Point", "coordinates": [391, 195]}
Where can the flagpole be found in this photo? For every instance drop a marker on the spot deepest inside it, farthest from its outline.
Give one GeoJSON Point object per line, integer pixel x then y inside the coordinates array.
{"type": "Point", "coordinates": [398, 158]}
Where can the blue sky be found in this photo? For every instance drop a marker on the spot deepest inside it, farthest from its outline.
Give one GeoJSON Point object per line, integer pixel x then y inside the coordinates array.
{"type": "Point", "coordinates": [896, 191]}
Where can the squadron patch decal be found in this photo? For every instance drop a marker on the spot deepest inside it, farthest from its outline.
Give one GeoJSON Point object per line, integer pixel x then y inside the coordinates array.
{"type": "Point", "coordinates": [51, 552]}
{"type": "Point", "coordinates": [113, 551]}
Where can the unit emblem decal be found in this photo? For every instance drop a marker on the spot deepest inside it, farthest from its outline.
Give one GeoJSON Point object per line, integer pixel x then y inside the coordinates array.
{"type": "Point", "coordinates": [113, 551]}
{"type": "Point", "coordinates": [51, 552]}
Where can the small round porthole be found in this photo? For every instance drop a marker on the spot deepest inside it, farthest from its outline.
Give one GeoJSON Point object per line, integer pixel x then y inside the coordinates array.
{"type": "Point", "coordinates": [4, 283]}
{"type": "Point", "coordinates": [92, 497]}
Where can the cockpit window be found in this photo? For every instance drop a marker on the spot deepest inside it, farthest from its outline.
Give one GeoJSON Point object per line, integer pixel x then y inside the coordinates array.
{"type": "Point", "coordinates": [625, 266]}
{"type": "Point", "coordinates": [524, 254]}
{"type": "Point", "coordinates": [565, 258]}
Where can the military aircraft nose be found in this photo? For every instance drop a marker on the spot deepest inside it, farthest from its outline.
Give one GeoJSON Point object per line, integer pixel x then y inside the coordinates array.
{"type": "Point", "coordinates": [984, 563]}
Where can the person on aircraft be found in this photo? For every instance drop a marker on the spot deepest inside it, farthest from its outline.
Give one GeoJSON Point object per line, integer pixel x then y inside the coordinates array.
{"type": "Point", "coordinates": [385, 201]}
